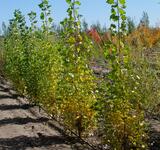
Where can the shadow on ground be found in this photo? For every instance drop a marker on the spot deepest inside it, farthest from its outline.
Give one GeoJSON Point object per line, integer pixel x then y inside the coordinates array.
{"type": "Point", "coordinates": [7, 97]}
{"type": "Point", "coordinates": [23, 142]}
{"type": "Point", "coordinates": [21, 121]}
{"type": "Point", "coordinates": [154, 140]}
{"type": "Point", "coordinates": [12, 107]}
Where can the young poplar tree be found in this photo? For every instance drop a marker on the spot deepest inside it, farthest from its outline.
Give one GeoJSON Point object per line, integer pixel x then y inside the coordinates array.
{"type": "Point", "coordinates": [122, 118]}
{"type": "Point", "coordinates": [76, 89]}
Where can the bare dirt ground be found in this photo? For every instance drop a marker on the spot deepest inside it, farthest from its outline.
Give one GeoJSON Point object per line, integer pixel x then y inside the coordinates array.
{"type": "Point", "coordinates": [23, 127]}
{"type": "Point", "coordinates": [154, 134]}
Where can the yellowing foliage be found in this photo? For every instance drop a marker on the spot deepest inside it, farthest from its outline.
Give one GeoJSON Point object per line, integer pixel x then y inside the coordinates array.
{"type": "Point", "coordinates": [144, 37]}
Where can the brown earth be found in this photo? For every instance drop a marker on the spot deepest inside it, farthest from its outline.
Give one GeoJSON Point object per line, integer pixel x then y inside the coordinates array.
{"type": "Point", "coordinates": [23, 127]}
{"type": "Point", "coordinates": [154, 134]}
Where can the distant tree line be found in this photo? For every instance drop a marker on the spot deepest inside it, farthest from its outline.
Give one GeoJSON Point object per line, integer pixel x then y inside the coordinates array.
{"type": "Point", "coordinates": [131, 25]}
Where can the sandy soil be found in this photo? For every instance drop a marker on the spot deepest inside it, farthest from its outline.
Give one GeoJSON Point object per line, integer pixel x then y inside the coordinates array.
{"type": "Point", "coordinates": [23, 127]}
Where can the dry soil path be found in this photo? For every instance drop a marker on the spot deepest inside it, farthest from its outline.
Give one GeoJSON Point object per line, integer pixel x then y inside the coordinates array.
{"type": "Point", "coordinates": [23, 127]}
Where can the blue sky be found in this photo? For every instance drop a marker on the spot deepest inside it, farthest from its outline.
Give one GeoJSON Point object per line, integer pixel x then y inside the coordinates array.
{"type": "Point", "coordinates": [92, 10]}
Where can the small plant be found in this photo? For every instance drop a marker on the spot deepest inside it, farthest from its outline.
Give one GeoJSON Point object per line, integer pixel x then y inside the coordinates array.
{"type": "Point", "coordinates": [76, 87]}
{"type": "Point", "coordinates": [121, 115]}
{"type": "Point", "coordinates": [45, 16]}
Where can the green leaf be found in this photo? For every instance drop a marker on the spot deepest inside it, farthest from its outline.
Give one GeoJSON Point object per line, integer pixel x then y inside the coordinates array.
{"type": "Point", "coordinates": [68, 1]}
{"type": "Point", "coordinates": [123, 17]}
{"type": "Point", "coordinates": [35, 22]}
{"type": "Point", "coordinates": [45, 2]}
{"type": "Point", "coordinates": [41, 5]}
{"type": "Point", "coordinates": [113, 26]}
{"type": "Point", "coordinates": [113, 11]}
{"type": "Point", "coordinates": [42, 16]}
{"type": "Point", "coordinates": [121, 11]}
{"type": "Point", "coordinates": [77, 3]}
{"type": "Point", "coordinates": [114, 17]}
{"type": "Point", "coordinates": [50, 19]}
{"type": "Point", "coordinates": [122, 2]}
{"type": "Point", "coordinates": [110, 1]}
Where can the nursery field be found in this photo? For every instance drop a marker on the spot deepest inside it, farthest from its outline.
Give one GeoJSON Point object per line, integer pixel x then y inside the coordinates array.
{"type": "Point", "coordinates": [100, 85]}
